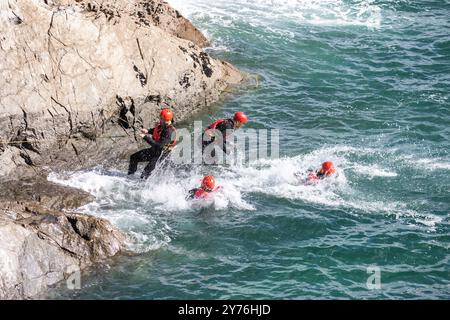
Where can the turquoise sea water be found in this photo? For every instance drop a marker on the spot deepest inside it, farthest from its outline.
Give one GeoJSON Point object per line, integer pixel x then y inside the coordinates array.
{"type": "Point", "coordinates": [365, 84]}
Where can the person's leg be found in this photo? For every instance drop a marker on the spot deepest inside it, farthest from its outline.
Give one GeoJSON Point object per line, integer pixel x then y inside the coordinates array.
{"type": "Point", "coordinates": [135, 158]}
{"type": "Point", "coordinates": [208, 157]}
{"type": "Point", "coordinates": [151, 165]}
{"type": "Point", "coordinates": [205, 143]}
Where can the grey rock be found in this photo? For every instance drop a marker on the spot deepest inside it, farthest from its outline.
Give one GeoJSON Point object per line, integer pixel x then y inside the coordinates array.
{"type": "Point", "coordinates": [73, 73]}
{"type": "Point", "coordinates": [78, 79]}
{"type": "Point", "coordinates": [41, 245]}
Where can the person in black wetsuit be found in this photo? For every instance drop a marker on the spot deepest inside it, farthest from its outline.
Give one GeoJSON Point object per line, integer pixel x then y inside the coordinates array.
{"type": "Point", "coordinates": [224, 127]}
{"type": "Point", "coordinates": [162, 138]}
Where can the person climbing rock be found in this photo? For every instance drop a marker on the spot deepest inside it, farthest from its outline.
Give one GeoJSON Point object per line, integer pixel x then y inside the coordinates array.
{"type": "Point", "coordinates": [223, 127]}
{"type": "Point", "coordinates": [208, 186]}
{"type": "Point", "coordinates": [162, 139]}
{"type": "Point", "coordinates": [327, 170]}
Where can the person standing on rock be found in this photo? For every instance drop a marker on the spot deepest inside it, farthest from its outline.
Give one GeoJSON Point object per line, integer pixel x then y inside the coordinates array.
{"type": "Point", "coordinates": [162, 138]}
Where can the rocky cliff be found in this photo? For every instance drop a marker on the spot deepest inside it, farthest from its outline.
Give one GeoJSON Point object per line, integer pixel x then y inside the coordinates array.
{"type": "Point", "coordinates": [78, 79]}
{"type": "Point", "coordinates": [74, 71]}
{"type": "Point", "coordinates": [41, 245]}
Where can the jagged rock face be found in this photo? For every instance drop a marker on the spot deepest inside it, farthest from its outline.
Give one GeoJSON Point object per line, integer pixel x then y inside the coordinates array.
{"type": "Point", "coordinates": [40, 245]}
{"type": "Point", "coordinates": [26, 262]}
{"type": "Point", "coordinates": [144, 13]}
{"type": "Point", "coordinates": [47, 194]}
{"type": "Point", "coordinates": [78, 79]}
{"type": "Point", "coordinates": [88, 69]}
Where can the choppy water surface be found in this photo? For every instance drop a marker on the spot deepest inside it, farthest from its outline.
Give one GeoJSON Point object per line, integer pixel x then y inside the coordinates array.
{"type": "Point", "coordinates": [364, 84]}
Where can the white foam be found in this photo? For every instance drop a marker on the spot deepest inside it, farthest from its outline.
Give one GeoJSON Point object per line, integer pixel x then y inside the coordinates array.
{"type": "Point", "coordinates": [118, 200]}
{"type": "Point", "coordinates": [136, 206]}
{"type": "Point", "coordinates": [140, 207]}
{"type": "Point", "coordinates": [275, 13]}
{"type": "Point", "coordinates": [432, 164]}
{"type": "Point", "coordinates": [373, 171]}
{"type": "Point", "coordinates": [276, 178]}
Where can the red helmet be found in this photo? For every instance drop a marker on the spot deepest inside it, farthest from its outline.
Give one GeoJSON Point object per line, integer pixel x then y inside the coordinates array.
{"type": "Point", "coordinates": [166, 115]}
{"type": "Point", "coordinates": [240, 116]}
{"type": "Point", "coordinates": [328, 168]}
{"type": "Point", "coordinates": [208, 183]}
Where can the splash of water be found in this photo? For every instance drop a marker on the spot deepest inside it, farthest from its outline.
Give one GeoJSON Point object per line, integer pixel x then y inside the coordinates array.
{"type": "Point", "coordinates": [274, 13]}
{"type": "Point", "coordinates": [143, 208]}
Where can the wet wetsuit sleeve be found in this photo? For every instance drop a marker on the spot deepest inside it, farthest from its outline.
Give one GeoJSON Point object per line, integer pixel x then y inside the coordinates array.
{"type": "Point", "coordinates": [319, 174]}
{"type": "Point", "coordinates": [191, 194]}
{"type": "Point", "coordinates": [149, 137]}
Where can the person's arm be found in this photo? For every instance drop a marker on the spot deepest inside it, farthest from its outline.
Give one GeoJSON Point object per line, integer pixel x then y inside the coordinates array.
{"type": "Point", "coordinates": [146, 131]}
{"type": "Point", "coordinates": [320, 174]}
{"type": "Point", "coordinates": [191, 194]}
{"type": "Point", "coordinates": [147, 135]}
{"type": "Point", "coordinates": [149, 139]}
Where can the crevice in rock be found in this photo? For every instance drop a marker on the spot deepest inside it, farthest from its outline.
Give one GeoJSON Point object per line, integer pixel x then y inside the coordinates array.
{"type": "Point", "coordinates": [139, 75]}
{"type": "Point", "coordinates": [49, 36]}
{"type": "Point", "coordinates": [68, 112]}
{"type": "Point", "coordinates": [16, 20]}
{"type": "Point", "coordinates": [73, 223]}
{"type": "Point", "coordinates": [153, 66]}
{"type": "Point", "coordinates": [140, 50]}
{"type": "Point", "coordinates": [71, 253]}
{"type": "Point", "coordinates": [26, 158]}
{"type": "Point", "coordinates": [11, 123]}
{"type": "Point", "coordinates": [76, 152]}
{"type": "Point", "coordinates": [28, 146]}
{"type": "Point", "coordinates": [132, 110]}
{"type": "Point", "coordinates": [78, 53]}
{"type": "Point", "coordinates": [123, 120]}
{"type": "Point", "coordinates": [153, 98]}
{"type": "Point", "coordinates": [45, 78]}
{"type": "Point", "coordinates": [24, 118]}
